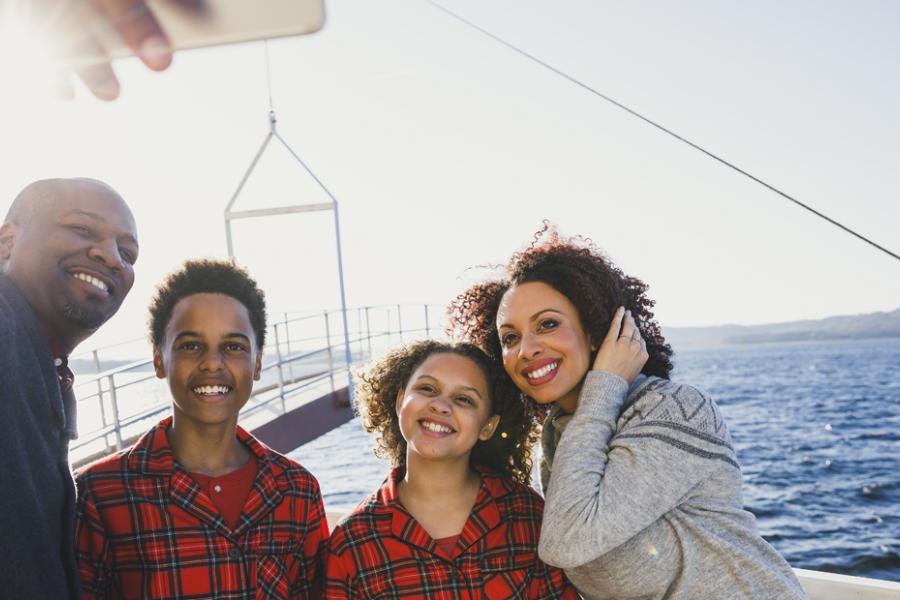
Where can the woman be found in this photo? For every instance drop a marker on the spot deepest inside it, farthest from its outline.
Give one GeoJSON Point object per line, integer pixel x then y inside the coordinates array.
{"type": "Point", "coordinates": [455, 518]}
{"type": "Point", "coordinates": [642, 485]}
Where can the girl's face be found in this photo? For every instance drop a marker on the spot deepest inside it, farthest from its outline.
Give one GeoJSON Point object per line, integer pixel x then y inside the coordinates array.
{"type": "Point", "coordinates": [546, 351]}
{"type": "Point", "coordinates": [445, 408]}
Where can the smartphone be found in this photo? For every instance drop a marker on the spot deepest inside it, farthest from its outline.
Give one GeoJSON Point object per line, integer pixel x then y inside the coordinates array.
{"type": "Point", "coordinates": [199, 24]}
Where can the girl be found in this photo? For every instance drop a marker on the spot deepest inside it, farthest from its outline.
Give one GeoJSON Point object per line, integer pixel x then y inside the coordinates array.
{"type": "Point", "coordinates": [642, 485]}
{"type": "Point", "coordinates": [455, 517]}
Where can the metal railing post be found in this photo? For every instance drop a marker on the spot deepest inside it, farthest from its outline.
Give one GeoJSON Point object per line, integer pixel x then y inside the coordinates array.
{"type": "Point", "coordinates": [359, 329]}
{"type": "Point", "coordinates": [427, 328]}
{"type": "Point", "coordinates": [100, 389]}
{"type": "Point", "coordinates": [280, 369]}
{"type": "Point", "coordinates": [287, 342]}
{"type": "Point", "coordinates": [399, 324]}
{"type": "Point", "coordinates": [368, 332]}
{"type": "Point", "coordinates": [348, 354]}
{"type": "Point", "coordinates": [330, 353]}
{"type": "Point", "coordinates": [115, 412]}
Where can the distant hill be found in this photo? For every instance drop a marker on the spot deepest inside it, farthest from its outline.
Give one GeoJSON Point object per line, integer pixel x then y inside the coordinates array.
{"type": "Point", "coordinates": [872, 325]}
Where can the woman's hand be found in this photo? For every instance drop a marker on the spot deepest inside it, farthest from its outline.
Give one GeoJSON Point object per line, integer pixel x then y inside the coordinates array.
{"type": "Point", "coordinates": [623, 351]}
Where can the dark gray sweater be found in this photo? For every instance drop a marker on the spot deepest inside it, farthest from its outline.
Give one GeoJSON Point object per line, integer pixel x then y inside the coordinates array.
{"type": "Point", "coordinates": [643, 499]}
{"type": "Point", "coordinates": [37, 495]}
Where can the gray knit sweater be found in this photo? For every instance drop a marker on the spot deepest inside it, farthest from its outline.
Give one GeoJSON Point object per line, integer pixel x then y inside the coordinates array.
{"type": "Point", "coordinates": [643, 498]}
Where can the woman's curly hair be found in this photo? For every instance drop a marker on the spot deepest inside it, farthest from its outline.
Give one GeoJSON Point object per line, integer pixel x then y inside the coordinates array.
{"type": "Point", "coordinates": [507, 452]}
{"type": "Point", "coordinates": [579, 271]}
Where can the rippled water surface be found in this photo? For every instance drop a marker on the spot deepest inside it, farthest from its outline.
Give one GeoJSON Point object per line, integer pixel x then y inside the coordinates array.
{"type": "Point", "coordinates": [817, 429]}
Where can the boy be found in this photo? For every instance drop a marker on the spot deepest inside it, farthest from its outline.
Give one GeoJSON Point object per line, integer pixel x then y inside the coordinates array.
{"type": "Point", "coordinates": [198, 508]}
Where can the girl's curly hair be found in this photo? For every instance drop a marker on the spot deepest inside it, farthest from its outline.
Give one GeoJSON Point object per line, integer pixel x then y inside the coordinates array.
{"type": "Point", "coordinates": [507, 452]}
{"type": "Point", "coordinates": [579, 271]}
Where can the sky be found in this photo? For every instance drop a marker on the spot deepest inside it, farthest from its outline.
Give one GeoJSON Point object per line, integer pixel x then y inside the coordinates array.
{"type": "Point", "coordinates": [446, 151]}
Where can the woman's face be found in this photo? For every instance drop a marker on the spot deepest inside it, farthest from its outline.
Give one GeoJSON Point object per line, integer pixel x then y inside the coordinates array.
{"type": "Point", "coordinates": [445, 408]}
{"type": "Point", "coordinates": [546, 351]}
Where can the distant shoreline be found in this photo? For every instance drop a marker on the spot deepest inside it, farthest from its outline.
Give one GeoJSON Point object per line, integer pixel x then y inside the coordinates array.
{"type": "Point", "coordinates": [849, 327]}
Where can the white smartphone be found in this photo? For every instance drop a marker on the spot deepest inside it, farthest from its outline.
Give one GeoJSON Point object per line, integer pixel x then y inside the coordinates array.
{"type": "Point", "coordinates": [213, 22]}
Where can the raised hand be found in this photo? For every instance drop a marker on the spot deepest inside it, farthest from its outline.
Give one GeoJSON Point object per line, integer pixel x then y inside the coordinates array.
{"type": "Point", "coordinates": [73, 35]}
{"type": "Point", "coordinates": [623, 351]}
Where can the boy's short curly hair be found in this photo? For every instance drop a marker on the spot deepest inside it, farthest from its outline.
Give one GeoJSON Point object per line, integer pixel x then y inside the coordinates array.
{"type": "Point", "coordinates": [208, 277]}
{"type": "Point", "coordinates": [507, 452]}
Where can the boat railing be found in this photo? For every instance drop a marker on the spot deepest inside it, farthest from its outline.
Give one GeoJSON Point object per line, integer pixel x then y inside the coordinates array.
{"type": "Point", "coordinates": [305, 356]}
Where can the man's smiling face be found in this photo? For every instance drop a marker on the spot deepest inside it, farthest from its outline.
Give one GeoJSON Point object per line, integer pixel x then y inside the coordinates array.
{"type": "Point", "coordinates": [72, 255]}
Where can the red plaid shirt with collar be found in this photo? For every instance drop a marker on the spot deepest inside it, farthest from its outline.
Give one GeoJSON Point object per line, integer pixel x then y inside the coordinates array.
{"type": "Point", "coordinates": [380, 551]}
{"type": "Point", "coordinates": [145, 529]}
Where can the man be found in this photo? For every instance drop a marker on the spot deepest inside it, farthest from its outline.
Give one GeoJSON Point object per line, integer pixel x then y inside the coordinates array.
{"type": "Point", "coordinates": [198, 508]}
{"type": "Point", "coordinates": [67, 251]}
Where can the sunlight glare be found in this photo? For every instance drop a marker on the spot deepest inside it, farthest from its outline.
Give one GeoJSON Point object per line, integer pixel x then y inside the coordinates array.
{"type": "Point", "coordinates": [26, 64]}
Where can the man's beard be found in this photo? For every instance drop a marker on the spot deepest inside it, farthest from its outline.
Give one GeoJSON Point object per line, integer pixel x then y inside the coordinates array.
{"type": "Point", "coordinates": [84, 316]}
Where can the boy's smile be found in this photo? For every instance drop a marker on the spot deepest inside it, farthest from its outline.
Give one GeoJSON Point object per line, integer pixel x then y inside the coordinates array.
{"type": "Point", "coordinates": [210, 359]}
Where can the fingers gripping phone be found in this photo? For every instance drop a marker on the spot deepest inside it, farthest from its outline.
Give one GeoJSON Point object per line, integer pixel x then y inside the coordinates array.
{"type": "Point", "coordinates": [197, 24]}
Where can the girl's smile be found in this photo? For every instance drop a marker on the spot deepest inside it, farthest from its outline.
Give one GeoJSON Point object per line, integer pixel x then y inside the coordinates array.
{"type": "Point", "coordinates": [445, 408]}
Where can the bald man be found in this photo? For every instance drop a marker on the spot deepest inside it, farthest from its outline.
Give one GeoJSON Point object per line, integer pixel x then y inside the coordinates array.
{"type": "Point", "coordinates": [67, 253]}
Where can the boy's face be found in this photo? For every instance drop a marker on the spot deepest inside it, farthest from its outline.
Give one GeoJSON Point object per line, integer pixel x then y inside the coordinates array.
{"type": "Point", "coordinates": [209, 357]}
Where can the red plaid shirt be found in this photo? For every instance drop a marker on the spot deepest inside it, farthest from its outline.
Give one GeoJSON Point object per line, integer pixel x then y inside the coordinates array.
{"type": "Point", "coordinates": [380, 551]}
{"type": "Point", "coordinates": [146, 530]}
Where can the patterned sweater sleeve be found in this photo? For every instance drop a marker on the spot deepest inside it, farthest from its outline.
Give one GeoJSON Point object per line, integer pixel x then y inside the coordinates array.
{"type": "Point", "coordinates": [607, 485]}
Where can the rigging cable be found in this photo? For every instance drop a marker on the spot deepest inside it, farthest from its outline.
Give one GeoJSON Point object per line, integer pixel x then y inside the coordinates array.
{"type": "Point", "coordinates": [658, 126]}
{"type": "Point", "coordinates": [269, 80]}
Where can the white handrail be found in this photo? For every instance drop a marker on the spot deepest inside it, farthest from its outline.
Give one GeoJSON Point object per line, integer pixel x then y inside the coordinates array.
{"type": "Point", "coordinates": [293, 367]}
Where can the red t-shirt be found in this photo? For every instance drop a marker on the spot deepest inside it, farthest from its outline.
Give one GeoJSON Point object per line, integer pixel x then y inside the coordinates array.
{"type": "Point", "coordinates": [229, 492]}
{"type": "Point", "coordinates": [448, 545]}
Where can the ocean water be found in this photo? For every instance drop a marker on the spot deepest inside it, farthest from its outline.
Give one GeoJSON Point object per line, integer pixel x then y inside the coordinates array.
{"type": "Point", "coordinates": [816, 426]}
